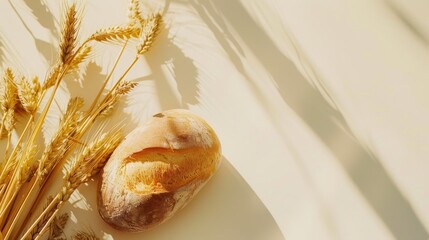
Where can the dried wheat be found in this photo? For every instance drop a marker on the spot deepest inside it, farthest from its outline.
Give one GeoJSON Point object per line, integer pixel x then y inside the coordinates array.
{"type": "Point", "coordinates": [81, 56]}
{"type": "Point", "coordinates": [149, 32]}
{"type": "Point", "coordinates": [69, 35]}
{"type": "Point", "coordinates": [52, 76]}
{"type": "Point", "coordinates": [112, 98]}
{"type": "Point", "coordinates": [60, 142]}
{"type": "Point", "coordinates": [9, 100]}
{"type": "Point", "coordinates": [29, 95]}
{"type": "Point", "coordinates": [115, 34]}
{"type": "Point", "coordinates": [135, 15]}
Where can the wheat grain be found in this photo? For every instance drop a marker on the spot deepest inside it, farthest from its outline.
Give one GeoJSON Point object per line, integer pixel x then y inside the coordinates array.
{"type": "Point", "coordinates": [112, 98]}
{"type": "Point", "coordinates": [149, 32]}
{"type": "Point", "coordinates": [52, 76]}
{"type": "Point", "coordinates": [9, 93]}
{"type": "Point", "coordinates": [115, 34]}
{"type": "Point", "coordinates": [135, 15]}
{"type": "Point", "coordinates": [29, 95]}
{"type": "Point", "coordinates": [60, 142]}
{"type": "Point", "coordinates": [85, 165]}
{"type": "Point", "coordinates": [92, 158]}
{"type": "Point", "coordinates": [21, 164]}
{"type": "Point", "coordinates": [8, 100]}
{"type": "Point", "coordinates": [10, 165]}
{"type": "Point", "coordinates": [27, 168]}
{"type": "Point", "coordinates": [81, 56]}
{"type": "Point", "coordinates": [69, 35]}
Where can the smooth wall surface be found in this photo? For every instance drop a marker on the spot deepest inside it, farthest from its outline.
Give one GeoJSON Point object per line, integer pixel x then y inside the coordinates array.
{"type": "Point", "coordinates": [321, 108]}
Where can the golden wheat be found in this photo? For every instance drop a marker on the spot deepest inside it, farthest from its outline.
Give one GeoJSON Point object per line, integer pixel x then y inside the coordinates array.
{"type": "Point", "coordinates": [80, 57]}
{"type": "Point", "coordinates": [149, 32]}
{"type": "Point", "coordinates": [69, 35]}
{"type": "Point", "coordinates": [135, 15]}
{"type": "Point", "coordinates": [112, 98]}
{"type": "Point", "coordinates": [59, 144]}
{"type": "Point", "coordinates": [85, 166]}
{"type": "Point", "coordinates": [115, 34]}
{"type": "Point", "coordinates": [29, 95]}
{"type": "Point", "coordinates": [52, 76]}
{"type": "Point", "coordinates": [21, 174]}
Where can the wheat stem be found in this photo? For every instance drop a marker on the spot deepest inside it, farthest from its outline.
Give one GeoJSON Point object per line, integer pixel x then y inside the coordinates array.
{"type": "Point", "coordinates": [9, 135]}
{"type": "Point", "coordinates": [45, 211]}
{"type": "Point", "coordinates": [48, 223]}
{"type": "Point", "coordinates": [85, 125]}
{"type": "Point", "coordinates": [2, 125]}
{"type": "Point", "coordinates": [16, 146]}
{"type": "Point", "coordinates": [21, 207]}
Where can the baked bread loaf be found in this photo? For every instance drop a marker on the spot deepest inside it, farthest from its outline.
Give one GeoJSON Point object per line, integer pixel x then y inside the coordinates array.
{"type": "Point", "coordinates": [157, 170]}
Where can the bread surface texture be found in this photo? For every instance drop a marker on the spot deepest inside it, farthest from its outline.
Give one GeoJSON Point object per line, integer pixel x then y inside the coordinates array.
{"type": "Point", "coordinates": [157, 170]}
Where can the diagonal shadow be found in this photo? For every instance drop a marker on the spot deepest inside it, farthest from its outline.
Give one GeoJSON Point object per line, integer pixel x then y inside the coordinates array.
{"type": "Point", "coordinates": [88, 85]}
{"type": "Point", "coordinates": [181, 67]}
{"type": "Point", "coordinates": [407, 22]}
{"type": "Point", "coordinates": [43, 15]}
{"type": "Point", "coordinates": [45, 48]}
{"type": "Point", "coordinates": [362, 166]}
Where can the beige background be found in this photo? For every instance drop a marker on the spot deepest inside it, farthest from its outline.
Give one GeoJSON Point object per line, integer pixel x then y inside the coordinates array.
{"type": "Point", "coordinates": [321, 108]}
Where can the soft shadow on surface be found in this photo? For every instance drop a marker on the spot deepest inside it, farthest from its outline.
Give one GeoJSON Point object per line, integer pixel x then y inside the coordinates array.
{"type": "Point", "coordinates": [363, 167]}
{"type": "Point", "coordinates": [407, 21]}
{"type": "Point", "coordinates": [182, 69]}
{"type": "Point", "coordinates": [43, 15]}
{"type": "Point", "coordinates": [47, 20]}
{"type": "Point", "coordinates": [226, 208]}
{"type": "Point", "coordinates": [89, 83]}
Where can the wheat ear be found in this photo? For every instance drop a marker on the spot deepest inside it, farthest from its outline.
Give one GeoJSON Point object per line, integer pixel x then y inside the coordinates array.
{"type": "Point", "coordinates": [29, 95]}
{"type": "Point", "coordinates": [112, 98]}
{"type": "Point", "coordinates": [135, 15]}
{"type": "Point", "coordinates": [149, 32]}
{"type": "Point", "coordinates": [69, 35]}
{"type": "Point", "coordinates": [115, 34]}
{"type": "Point", "coordinates": [58, 146]}
{"type": "Point", "coordinates": [85, 165]}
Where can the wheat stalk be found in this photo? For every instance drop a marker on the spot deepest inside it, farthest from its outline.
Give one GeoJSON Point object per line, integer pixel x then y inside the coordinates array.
{"type": "Point", "coordinates": [149, 32]}
{"type": "Point", "coordinates": [69, 35]}
{"type": "Point", "coordinates": [86, 165]}
{"type": "Point", "coordinates": [116, 33]}
{"type": "Point", "coordinates": [135, 15]}
{"type": "Point", "coordinates": [112, 98]}
{"type": "Point", "coordinates": [17, 174]}
{"type": "Point", "coordinates": [80, 57]}
{"type": "Point", "coordinates": [58, 146]}
{"type": "Point", "coordinates": [8, 100]}
{"type": "Point", "coordinates": [52, 76]}
{"type": "Point", "coordinates": [29, 95]}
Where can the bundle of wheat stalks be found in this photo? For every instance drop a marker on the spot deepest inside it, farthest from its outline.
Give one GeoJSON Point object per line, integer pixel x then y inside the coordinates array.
{"type": "Point", "coordinates": [25, 175]}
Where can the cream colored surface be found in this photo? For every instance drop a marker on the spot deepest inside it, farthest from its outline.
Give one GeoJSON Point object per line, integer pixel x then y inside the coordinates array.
{"type": "Point", "coordinates": [321, 108]}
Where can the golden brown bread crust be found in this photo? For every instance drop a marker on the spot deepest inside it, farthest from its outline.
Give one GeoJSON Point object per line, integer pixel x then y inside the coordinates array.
{"type": "Point", "coordinates": [157, 169]}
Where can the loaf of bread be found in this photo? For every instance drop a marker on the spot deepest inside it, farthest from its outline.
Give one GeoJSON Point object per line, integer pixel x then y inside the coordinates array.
{"type": "Point", "coordinates": [157, 170]}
